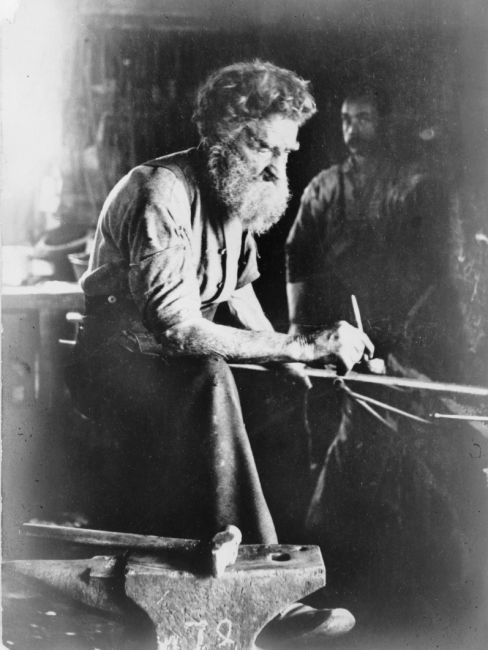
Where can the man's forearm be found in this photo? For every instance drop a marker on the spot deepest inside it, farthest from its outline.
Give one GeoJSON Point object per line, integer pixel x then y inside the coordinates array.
{"type": "Point", "coordinates": [202, 337]}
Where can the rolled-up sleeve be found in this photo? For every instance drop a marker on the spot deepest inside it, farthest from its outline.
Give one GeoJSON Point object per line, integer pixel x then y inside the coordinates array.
{"type": "Point", "coordinates": [153, 233]}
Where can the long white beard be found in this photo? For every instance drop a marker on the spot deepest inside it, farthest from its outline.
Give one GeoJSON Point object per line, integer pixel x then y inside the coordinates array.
{"type": "Point", "coordinates": [257, 203]}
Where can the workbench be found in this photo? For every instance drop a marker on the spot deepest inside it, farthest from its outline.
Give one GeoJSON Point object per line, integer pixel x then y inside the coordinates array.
{"type": "Point", "coordinates": [34, 318]}
{"type": "Point", "coordinates": [35, 401]}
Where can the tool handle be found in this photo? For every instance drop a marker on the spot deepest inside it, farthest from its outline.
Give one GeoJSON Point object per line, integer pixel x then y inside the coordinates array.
{"type": "Point", "coordinates": [357, 313]}
{"type": "Point", "coordinates": [93, 537]}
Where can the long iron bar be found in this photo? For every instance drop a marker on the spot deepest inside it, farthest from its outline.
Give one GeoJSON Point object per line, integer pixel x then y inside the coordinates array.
{"type": "Point", "coordinates": [387, 407]}
{"type": "Point", "coordinates": [382, 380]}
{"type": "Point", "coordinates": [467, 418]}
{"type": "Point", "coordinates": [374, 413]}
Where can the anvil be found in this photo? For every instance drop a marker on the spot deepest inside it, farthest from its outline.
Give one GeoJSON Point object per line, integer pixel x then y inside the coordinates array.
{"type": "Point", "coordinates": [174, 584]}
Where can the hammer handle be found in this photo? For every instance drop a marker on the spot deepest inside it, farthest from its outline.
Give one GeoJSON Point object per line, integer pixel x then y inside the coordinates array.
{"type": "Point", "coordinates": [92, 537]}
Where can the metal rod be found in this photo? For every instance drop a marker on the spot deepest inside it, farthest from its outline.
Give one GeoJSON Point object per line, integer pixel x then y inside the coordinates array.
{"type": "Point", "coordinates": [94, 537]}
{"type": "Point", "coordinates": [382, 380]}
{"type": "Point", "coordinates": [374, 413]}
{"type": "Point", "coordinates": [451, 416]}
{"type": "Point", "coordinates": [387, 407]}
{"type": "Point", "coordinates": [357, 313]}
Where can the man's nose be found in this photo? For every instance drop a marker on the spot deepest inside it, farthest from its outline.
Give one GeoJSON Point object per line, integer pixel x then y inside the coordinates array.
{"type": "Point", "coordinates": [278, 165]}
{"type": "Point", "coordinates": [353, 126]}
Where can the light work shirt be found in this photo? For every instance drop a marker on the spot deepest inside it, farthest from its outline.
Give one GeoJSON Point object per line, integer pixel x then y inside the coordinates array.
{"type": "Point", "coordinates": [164, 242]}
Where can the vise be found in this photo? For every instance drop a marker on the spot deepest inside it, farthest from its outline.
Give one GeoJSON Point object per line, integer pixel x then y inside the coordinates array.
{"type": "Point", "coordinates": [196, 595]}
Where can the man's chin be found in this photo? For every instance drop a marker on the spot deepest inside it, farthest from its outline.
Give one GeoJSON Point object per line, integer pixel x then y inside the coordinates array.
{"type": "Point", "coordinates": [263, 206]}
{"type": "Point", "coordinates": [259, 224]}
{"type": "Point", "coordinates": [356, 150]}
{"type": "Point", "coordinates": [362, 149]}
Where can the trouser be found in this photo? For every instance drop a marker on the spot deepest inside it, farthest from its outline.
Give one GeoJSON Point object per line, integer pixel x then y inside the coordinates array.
{"type": "Point", "coordinates": [179, 461]}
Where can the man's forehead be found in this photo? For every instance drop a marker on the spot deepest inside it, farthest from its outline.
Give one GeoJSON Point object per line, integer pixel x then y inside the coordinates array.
{"type": "Point", "coordinates": [360, 105]}
{"type": "Point", "coordinates": [277, 131]}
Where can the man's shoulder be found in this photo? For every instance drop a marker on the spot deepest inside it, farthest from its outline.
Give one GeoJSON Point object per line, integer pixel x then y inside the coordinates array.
{"type": "Point", "coordinates": [413, 179]}
{"type": "Point", "coordinates": [323, 185]}
{"type": "Point", "coordinates": [168, 180]}
{"type": "Point", "coordinates": [182, 166]}
{"type": "Point", "coordinates": [328, 175]}
{"type": "Point", "coordinates": [185, 161]}
{"type": "Point", "coordinates": [163, 176]}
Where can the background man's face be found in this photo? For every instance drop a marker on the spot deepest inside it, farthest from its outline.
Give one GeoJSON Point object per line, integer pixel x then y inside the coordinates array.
{"type": "Point", "coordinates": [359, 125]}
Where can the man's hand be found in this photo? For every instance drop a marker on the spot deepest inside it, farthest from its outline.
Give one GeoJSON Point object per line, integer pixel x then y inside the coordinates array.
{"type": "Point", "coordinates": [343, 344]}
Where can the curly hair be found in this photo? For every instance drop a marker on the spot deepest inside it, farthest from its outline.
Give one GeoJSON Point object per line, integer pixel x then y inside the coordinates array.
{"type": "Point", "coordinates": [242, 93]}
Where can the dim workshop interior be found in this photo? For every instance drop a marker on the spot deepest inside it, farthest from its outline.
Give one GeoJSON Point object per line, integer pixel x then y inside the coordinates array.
{"type": "Point", "coordinates": [375, 474]}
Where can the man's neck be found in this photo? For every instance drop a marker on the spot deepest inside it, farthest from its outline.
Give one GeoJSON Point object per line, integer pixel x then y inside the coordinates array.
{"type": "Point", "coordinates": [364, 164]}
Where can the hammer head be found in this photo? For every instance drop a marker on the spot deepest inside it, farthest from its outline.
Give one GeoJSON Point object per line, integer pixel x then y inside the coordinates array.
{"type": "Point", "coordinates": [225, 546]}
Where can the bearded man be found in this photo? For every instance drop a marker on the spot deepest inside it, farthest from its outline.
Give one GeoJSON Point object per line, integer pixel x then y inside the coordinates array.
{"type": "Point", "coordinates": [174, 241]}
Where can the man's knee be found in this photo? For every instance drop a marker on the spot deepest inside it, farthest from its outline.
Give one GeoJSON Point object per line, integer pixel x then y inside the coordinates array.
{"type": "Point", "coordinates": [206, 378]}
{"type": "Point", "coordinates": [213, 367]}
